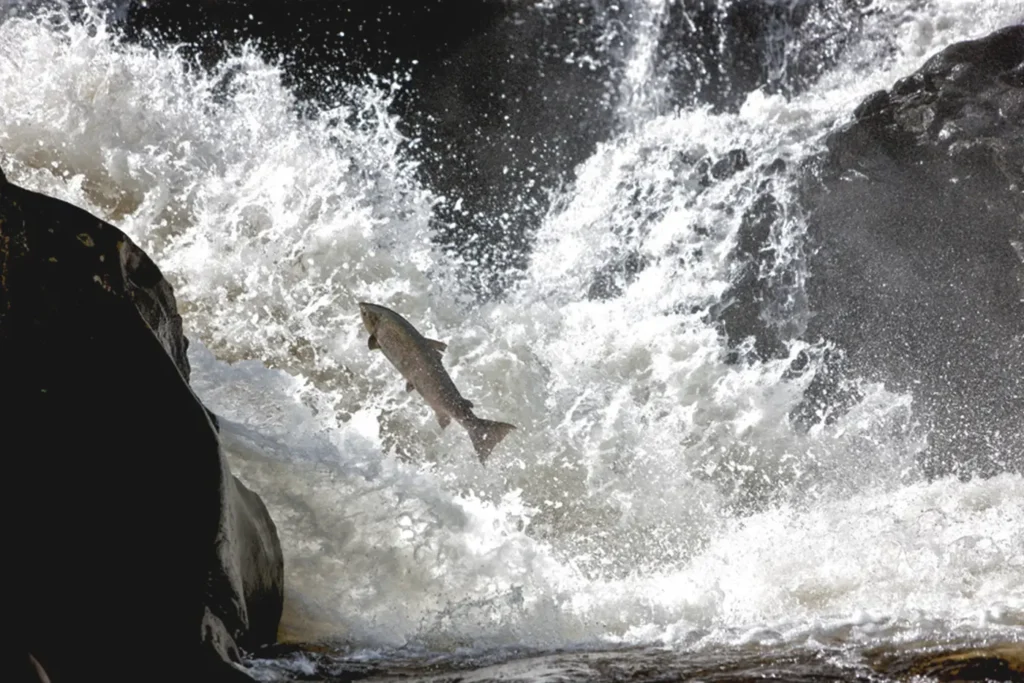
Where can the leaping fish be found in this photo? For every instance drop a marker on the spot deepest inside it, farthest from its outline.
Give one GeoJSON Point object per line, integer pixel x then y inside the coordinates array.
{"type": "Point", "coordinates": [419, 361]}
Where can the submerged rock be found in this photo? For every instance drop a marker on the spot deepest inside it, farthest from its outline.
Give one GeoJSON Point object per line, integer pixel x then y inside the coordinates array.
{"type": "Point", "coordinates": [140, 556]}
{"type": "Point", "coordinates": [914, 213]}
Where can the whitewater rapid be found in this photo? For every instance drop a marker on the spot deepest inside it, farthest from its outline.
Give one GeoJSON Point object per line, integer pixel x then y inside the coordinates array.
{"type": "Point", "coordinates": [654, 492]}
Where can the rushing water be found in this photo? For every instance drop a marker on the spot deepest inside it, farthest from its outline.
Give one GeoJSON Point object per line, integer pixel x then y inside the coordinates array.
{"type": "Point", "coordinates": [655, 494]}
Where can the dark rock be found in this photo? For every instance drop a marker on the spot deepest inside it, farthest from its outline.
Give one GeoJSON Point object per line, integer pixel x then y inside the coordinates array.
{"type": "Point", "coordinates": [729, 165]}
{"type": "Point", "coordinates": [830, 394]}
{"type": "Point", "coordinates": [718, 51]}
{"type": "Point", "coordinates": [610, 281]}
{"type": "Point", "coordinates": [914, 257]}
{"type": "Point", "coordinates": [745, 309]}
{"type": "Point", "coordinates": [371, 35]}
{"type": "Point", "coordinates": [914, 214]}
{"type": "Point", "coordinates": [249, 533]}
{"type": "Point", "coordinates": [711, 171]}
{"type": "Point", "coordinates": [154, 298]}
{"type": "Point", "coordinates": [131, 528]}
{"type": "Point", "coordinates": [775, 167]}
{"type": "Point", "coordinates": [507, 118]}
{"type": "Point", "coordinates": [967, 101]}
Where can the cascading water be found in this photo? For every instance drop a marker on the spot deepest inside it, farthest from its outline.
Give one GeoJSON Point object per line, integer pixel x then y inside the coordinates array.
{"type": "Point", "coordinates": [655, 490]}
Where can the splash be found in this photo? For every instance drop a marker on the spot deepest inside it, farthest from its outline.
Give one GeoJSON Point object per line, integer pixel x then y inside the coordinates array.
{"type": "Point", "coordinates": [655, 489]}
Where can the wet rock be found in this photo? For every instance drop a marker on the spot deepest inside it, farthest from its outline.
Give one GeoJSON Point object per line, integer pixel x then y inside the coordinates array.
{"type": "Point", "coordinates": [745, 310]}
{"type": "Point", "coordinates": [733, 162]}
{"type": "Point", "coordinates": [1001, 662]}
{"type": "Point", "coordinates": [966, 102]}
{"type": "Point", "coordinates": [725, 167]}
{"type": "Point", "coordinates": [914, 211]}
{"type": "Point", "coordinates": [718, 51]}
{"type": "Point", "coordinates": [373, 35]}
{"type": "Point", "coordinates": [830, 393]}
{"type": "Point", "coordinates": [506, 119]}
{"type": "Point", "coordinates": [612, 280]}
{"type": "Point", "coordinates": [762, 301]}
{"type": "Point", "coordinates": [131, 526]}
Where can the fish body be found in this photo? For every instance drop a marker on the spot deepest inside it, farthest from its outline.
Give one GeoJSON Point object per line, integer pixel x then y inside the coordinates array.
{"type": "Point", "coordinates": [418, 359]}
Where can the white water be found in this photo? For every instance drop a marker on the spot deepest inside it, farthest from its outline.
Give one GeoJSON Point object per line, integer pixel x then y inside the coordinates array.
{"type": "Point", "coordinates": [611, 513]}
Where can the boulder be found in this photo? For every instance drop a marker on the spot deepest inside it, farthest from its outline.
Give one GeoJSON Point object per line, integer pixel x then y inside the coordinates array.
{"type": "Point", "coordinates": [914, 257]}
{"type": "Point", "coordinates": [133, 535]}
{"type": "Point", "coordinates": [915, 225]}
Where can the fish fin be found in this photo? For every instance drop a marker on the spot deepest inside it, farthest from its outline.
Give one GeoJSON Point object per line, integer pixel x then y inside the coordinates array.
{"type": "Point", "coordinates": [409, 386]}
{"type": "Point", "coordinates": [486, 434]}
{"type": "Point", "coordinates": [372, 343]}
{"type": "Point", "coordinates": [439, 346]}
{"type": "Point", "coordinates": [444, 419]}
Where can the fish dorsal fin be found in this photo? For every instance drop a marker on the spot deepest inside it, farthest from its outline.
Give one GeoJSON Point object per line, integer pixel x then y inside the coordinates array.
{"type": "Point", "coordinates": [438, 346]}
{"type": "Point", "coordinates": [372, 343]}
{"type": "Point", "coordinates": [409, 386]}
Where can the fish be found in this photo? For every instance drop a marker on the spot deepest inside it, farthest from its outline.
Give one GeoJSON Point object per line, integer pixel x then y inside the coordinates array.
{"type": "Point", "coordinates": [418, 359]}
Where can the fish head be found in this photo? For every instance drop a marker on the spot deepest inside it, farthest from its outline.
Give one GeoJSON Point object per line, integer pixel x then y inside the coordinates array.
{"type": "Point", "coordinates": [371, 315]}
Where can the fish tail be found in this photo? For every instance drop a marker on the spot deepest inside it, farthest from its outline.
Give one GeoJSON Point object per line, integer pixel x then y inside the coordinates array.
{"type": "Point", "coordinates": [486, 434]}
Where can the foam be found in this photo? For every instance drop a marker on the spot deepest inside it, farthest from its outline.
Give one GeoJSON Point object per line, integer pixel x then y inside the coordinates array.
{"type": "Point", "coordinates": [653, 491]}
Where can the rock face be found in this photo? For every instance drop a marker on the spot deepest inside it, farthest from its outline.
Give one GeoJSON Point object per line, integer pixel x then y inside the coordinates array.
{"type": "Point", "coordinates": [718, 51]}
{"type": "Point", "coordinates": [134, 537]}
{"type": "Point", "coordinates": [916, 251]}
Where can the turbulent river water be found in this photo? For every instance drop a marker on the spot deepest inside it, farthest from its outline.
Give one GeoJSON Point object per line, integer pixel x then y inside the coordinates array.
{"type": "Point", "coordinates": [656, 513]}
